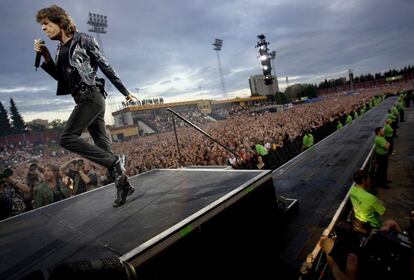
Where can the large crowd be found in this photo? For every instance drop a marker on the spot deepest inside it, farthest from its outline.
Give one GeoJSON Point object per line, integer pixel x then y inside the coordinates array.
{"type": "Point", "coordinates": [163, 122]}
{"type": "Point", "coordinates": [239, 132]}
{"type": "Point", "coordinates": [258, 139]}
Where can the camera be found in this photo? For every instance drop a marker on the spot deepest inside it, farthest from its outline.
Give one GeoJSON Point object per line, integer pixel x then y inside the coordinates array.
{"type": "Point", "coordinates": [78, 162]}
{"type": "Point", "coordinates": [381, 255]}
{"type": "Point", "coordinates": [7, 172]}
{"type": "Point", "coordinates": [33, 166]}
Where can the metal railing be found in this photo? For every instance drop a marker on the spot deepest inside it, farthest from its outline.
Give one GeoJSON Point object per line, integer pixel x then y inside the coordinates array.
{"type": "Point", "coordinates": [175, 114]}
{"type": "Point", "coordinates": [316, 258]}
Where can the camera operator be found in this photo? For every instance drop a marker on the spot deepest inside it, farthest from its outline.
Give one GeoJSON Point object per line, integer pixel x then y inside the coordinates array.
{"type": "Point", "coordinates": [11, 201]}
{"type": "Point", "coordinates": [33, 179]}
{"type": "Point", "coordinates": [83, 176]}
{"type": "Point", "coordinates": [354, 264]}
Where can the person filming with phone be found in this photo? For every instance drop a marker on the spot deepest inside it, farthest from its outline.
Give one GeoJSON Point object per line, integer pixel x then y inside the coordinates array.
{"type": "Point", "coordinates": [11, 190]}
{"type": "Point", "coordinates": [83, 176]}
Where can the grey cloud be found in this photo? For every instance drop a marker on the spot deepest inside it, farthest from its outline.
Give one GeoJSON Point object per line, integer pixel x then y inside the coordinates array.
{"type": "Point", "coordinates": [165, 82]}
{"type": "Point", "coordinates": [162, 42]}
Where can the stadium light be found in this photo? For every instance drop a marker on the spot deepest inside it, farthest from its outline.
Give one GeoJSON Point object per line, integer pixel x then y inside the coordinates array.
{"type": "Point", "coordinates": [272, 57]}
{"type": "Point", "coordinates": [265, 58]}
{"type": "Point", "coordinates": [98, 23]}
{"type": "Point", "coordinates": [218, 44]}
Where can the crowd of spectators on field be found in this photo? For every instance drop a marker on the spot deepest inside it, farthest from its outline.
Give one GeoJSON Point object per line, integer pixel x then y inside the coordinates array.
{"type": "Point", "coordinates": [262, 140]}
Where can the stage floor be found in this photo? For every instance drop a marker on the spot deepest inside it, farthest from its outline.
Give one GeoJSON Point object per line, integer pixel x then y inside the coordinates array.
{"type": "Point", "coordinates": [87, 227]}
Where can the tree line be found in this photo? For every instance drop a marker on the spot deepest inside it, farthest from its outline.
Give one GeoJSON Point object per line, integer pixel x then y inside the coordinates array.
{"type": "Point", "coordinates": [367, 77]}
{"type": "Point", "coordinates": [297, 91]}
{"type": "Point", "coordinates": [14, 125]}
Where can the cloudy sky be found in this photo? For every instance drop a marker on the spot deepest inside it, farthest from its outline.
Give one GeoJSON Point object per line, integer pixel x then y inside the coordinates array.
{"type": "Point", "coordinates": [164, 47]}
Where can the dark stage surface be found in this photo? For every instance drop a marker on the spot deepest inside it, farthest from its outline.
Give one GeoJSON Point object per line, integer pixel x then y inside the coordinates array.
{"type": "Point", "coordinates": [87, 227]}
{"type": "Point", "coordinates": [320, 179]}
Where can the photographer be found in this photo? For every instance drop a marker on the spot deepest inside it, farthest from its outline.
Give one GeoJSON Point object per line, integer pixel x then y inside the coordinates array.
{"type": "Point", "coordinates": [33, 179]}
{"type": "Point", "coordinates": [80, 171]}
{"type": "Point", "coordinates": [52, 189]}
{"type": "Point", "coordinates": [11, 201]}
{"type": "Point", "coordinates": [354, 266]}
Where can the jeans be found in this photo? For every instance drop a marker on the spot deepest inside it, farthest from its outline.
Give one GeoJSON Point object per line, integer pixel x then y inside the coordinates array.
{"type": "Point", "coordinates": [88, 113]}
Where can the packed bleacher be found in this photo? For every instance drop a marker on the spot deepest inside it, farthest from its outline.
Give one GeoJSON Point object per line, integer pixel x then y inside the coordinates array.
{"type": "Point", "coordinates": [163, 122]}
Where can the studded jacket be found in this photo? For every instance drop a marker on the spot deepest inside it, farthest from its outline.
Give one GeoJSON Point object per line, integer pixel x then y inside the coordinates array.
{"type": "Point", "coordinates": [85, 57]}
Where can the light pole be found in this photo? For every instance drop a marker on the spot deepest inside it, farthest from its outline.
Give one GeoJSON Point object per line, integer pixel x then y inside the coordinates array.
{"type": "Point", "coordinates": [272, 57]}
{"type": "Point", "coordinates": [351, 78]}
{"type": "Point", "coordinates": [218, 44]}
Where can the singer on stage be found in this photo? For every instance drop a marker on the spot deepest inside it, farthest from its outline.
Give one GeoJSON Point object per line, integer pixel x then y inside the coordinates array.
{"type": "Point", "coordinates": [77, 60]}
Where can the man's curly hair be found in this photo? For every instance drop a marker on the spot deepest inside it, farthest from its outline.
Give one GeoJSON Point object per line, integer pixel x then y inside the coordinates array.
{"type": "Point", "coordinates": [58, 16]}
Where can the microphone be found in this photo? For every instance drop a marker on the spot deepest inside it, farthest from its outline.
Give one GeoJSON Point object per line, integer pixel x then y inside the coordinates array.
{"type": "Point", "coordinates": [38, 56]}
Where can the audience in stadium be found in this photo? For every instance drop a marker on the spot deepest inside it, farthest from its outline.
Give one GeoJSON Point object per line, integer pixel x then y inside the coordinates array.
{"type": "Point", "coordinates": [245, 128]}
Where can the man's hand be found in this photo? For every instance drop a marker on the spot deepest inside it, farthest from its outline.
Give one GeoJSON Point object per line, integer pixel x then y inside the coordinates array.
{"type": "Point", "coordinates": [391, 225]}
{"type": "Point", "coordinates": [130, 98]}
{"type": "Point", "coordinates": [80, 167]}
{"type": "Point", "coordinates": [350, 273]}
{"type": "Point", "coordinates": [39, 46]}
{"type": "Point", "coordinates": [10, 180]}
{"type": "Point", "coordinates": [350, 270]}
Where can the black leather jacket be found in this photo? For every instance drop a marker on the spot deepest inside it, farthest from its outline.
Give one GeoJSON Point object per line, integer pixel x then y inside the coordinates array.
{"type": "Point", "coordinates": [85, 57]}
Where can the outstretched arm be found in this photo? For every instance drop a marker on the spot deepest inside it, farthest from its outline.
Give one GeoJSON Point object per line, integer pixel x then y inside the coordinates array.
{"type": "Point", "coordinates": [107, 69]}
{"type": "Point", "coordinates": [18, 185]}
{"type": "Point", "coordinates": [67, 165]}
{"type": "Point", "coordinates": [110, 72]}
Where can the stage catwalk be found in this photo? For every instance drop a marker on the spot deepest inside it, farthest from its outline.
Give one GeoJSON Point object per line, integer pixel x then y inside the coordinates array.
{"type": "Point", "coordinates": [320, 179]}
{"type": "Point", "coordinates": [166, 206]}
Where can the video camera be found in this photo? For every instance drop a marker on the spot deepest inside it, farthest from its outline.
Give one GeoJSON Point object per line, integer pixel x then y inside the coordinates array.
{"type": "Point", "coordinates": [78, 162]}
{"type": "Point", "coordinates": [33, 166]}
{"type": "Point", "coordinates": [5, 173]}
{"type": "Point", "coordinates": [381, 255]}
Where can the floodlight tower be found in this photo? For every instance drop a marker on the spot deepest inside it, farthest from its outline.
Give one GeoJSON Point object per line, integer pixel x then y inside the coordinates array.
{"type": "Point", "coordinates": [272, 57]}
{"type": "Point", "coordinates": [98, 23]}
{"type": "Point", "coordinates": [351, 78]}
{"type": "Point", "coordinates": [265, 58]}
{"type": "Point", "coordinates": [218, 44]}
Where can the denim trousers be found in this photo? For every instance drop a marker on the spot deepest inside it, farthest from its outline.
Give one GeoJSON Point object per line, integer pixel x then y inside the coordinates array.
{"type": "Point", "coordinates": [88, 114]}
